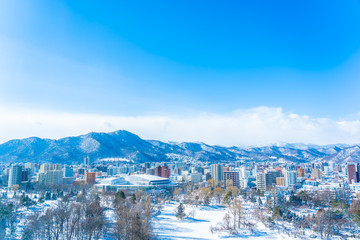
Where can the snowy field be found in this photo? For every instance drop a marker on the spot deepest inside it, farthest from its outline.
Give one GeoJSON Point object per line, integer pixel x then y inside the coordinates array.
{"type": "Point", "coordinates": [167, 226]}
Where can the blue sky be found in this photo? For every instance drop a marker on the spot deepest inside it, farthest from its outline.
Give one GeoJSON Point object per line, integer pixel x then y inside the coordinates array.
{"type": "Point", "coordinates": [181, 58]}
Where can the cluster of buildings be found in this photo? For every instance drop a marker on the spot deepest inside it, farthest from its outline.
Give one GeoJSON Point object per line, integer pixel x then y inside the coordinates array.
{"type": "Point", "coordinates": [104, 176]}
{"type": "Point", "coordinates": [262, 176]}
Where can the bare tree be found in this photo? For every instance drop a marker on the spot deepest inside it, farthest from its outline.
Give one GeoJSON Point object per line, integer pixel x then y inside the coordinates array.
{"type": "Point", "coordinates": [218, 194]}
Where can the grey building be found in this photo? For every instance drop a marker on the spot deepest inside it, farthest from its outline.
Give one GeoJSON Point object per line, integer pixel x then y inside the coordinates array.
{"type": "Point", "coordinates": [15, 175]}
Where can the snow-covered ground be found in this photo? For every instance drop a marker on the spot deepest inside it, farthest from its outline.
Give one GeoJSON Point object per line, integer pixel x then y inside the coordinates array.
{"type": "Point", "coordinates": [167, 226]}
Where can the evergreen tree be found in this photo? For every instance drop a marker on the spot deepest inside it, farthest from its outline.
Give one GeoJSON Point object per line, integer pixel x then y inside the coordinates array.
{"type": "Point", "coordinates": [180, 213]}
{"type": "Point", "coordinates": [133, 198]}
{"type": "Point", "coordinates": [47, 196]}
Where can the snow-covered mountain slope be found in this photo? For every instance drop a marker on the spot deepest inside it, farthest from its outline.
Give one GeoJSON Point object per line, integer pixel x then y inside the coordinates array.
{"type": "Point", "coordinates": [123, 144]}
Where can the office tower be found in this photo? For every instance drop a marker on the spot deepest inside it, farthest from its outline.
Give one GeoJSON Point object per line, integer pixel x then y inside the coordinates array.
{"type": "Point", "coordinates": [232, 176]}
{"type": "Point", "coordinates": [217, 172]}
{"type": "Point", "coordinates": [290, 178]}
{"type": "Point", "coordinates": [15, 175]}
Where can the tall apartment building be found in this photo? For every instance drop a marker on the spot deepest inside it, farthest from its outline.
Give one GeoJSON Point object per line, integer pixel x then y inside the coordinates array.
{"type": "Point", "coordinates": [243, 172]}
{"type": "Point", "coordinates": [53, 177]}
{"type": "Point", "coordinates": [217, 172]}
{"type": "Point", "coordinates": [31, 167]}
{"type": "Point", "coordinates": [301, 172]}
{"type": "Point", "coordinates": [264, 180]}
{"type": "Point", "coordinates": [90, 177]}
{"type": "Point", "coordinates": [50, 173]}
{"type": "Point", "coordinates": [316, 173]}
{"type": "Point", "coordinates": [234, 176]}
{"type": "Point", "coordinates": [271, 177]}
{"type": "Point", "coordinates": [261, 182]}
{"type": "Point", "coordinates": [49, 166]}
{"type": "Point", "coordinates": [280, 181]}
{"type": "Point", "coordinates": [158, 171]}
{"type": "Point", "coordinates": [195, 178]}
{"type": "Point", "coordinates": [162, 171]}
{"type": "Point", "coordinates": [15, 175]}
{"type": "Point", "coordinates": [165, 172]}
{"type": "Point", "coordinates": [352, 172]}
{"type": "Point", "coordinates": [290, 178]}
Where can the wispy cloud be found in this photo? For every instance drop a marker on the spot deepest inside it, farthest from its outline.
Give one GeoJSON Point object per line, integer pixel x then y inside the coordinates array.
{"type": "Point", "coordinates": [260, 125]}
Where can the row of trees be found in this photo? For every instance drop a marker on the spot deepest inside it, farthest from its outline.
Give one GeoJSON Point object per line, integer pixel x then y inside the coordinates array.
{"type": "Point", "coordinates": [84, 217]}
{"type": "Point", "coordinates": [207, 195]}
{"type": "Point", "coordinates": [69, 219]}
{"type": "Point", "coordinates": [337, 218]}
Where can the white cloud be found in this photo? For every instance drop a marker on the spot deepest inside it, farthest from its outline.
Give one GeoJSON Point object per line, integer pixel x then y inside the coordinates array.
{"type": "Point", "coordinates": [260, 125]}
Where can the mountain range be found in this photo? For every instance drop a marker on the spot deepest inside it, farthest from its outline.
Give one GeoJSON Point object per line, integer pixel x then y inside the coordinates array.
{"type": "Point", "coordinates": [125, 145]}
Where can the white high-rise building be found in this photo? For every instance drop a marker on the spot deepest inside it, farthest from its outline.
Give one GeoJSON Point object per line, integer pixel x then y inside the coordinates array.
{"type": "Point", "coordinates": [243, 173]}
{"type": "Point", "coordinates": [53, 177]}
{"type": "Point", "coordinates": [195, 178]}
{"type": "Point", "coordinates": [50, 174]}
{"type": "Point", "coordinates": [290, 178]}
{"type": "Point", "coordinates": [49, 166]}
{"type": "Point", "coordinates": [217, 172]}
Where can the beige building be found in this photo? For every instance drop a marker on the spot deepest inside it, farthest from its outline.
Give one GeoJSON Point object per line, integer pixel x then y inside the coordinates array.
{"type": "Point", "coordinates": [316, 173]}
{"type": "Point", "coordinates": [280, 181]}
{"type": "Point", "coordinates": [301, 172]}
